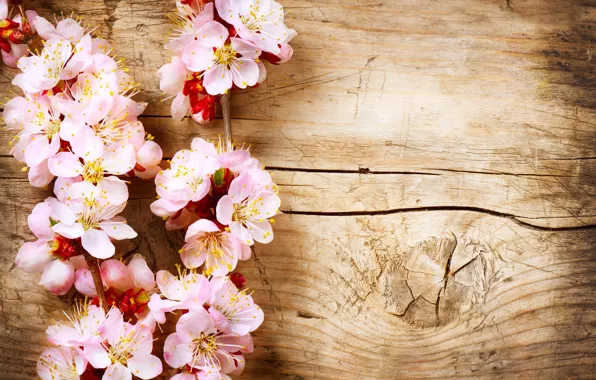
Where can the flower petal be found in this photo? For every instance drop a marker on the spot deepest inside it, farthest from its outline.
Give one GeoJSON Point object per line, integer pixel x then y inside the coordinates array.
{"type": "Point", "coordinates": [199, 227]}
{"type": "Point", "coordinates": [65, 164]}
{"type": "Point", "coordinates": [98, 244]}
{"type": "Point", "coordinates": [198, 57]}
{"type": "Point", "coordinates": [84, 283]}
{"type": "Point", "coordinates": [71, 231]}
{"type": "Point", "coordinates": [117, 229]}
{"type": "Point", "coordinates": [115, 189]}
{"type": "Point", "coordinates": [225, 210]}
{"type": "Point", "coordinates": [142, 275]}
{"type": "Point", "coordinates": [145, 366]}
{"type": "Point", "coordinates": [218, 80]}
{"type": "Point", "coordinates": [119, 158]}
{"type": "Point", "coordinates": [191, 325]}
{"type": "Point", "coordinates": [117, 372]}
{"type": "Point", "coordinates": [39, 221]}
{"type": "Point", "coordinates": [40, 176]}
{"type": "Point", "coordinates": [176, 352]}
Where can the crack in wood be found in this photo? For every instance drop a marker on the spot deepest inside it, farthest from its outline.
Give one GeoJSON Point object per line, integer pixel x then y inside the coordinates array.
{"type": "Point", "coordinates": [515, 218]}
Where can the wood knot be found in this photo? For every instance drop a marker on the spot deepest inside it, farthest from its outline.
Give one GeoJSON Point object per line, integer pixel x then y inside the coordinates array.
{"type": "Point", "coordinates": [438, 279]}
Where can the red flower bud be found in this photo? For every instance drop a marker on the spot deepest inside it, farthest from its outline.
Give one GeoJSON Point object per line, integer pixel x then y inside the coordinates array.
{"type": "Point", "coordinates": [238, 279]}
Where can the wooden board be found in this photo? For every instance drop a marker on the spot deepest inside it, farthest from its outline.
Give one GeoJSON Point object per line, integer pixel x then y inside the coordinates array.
{"type": "Point", "coordinates": [437, 165]}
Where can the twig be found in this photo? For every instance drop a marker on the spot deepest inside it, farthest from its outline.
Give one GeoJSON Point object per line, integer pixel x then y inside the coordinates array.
{"type": "Point", "coordinates": [225, 107]}
{"type": "Point", "coordinates": [92, 262]}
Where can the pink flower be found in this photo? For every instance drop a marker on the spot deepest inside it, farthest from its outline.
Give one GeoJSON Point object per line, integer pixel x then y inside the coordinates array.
{"type": "Point", "coordinates": [38, 138]}
{"type": "Point", "coordinates": [225, 63]}
{"type": "Point", "coordinates": [187, 28]}
{"type": "Point", "coordinates": [99, 160]}
{"type": "Point", "coordinates": [207, 244]}
{"type": "Point", "coordinates": [199, 344]}
{"type": "Point", "coordinates": [91, 99]}
{"type": "Point", "coordinates": [90, 216]}
{"type": "Point", "coordinates": [127, 352]}
{"type": "Point", "coordinates": [234, 310]}
{"type": "Point", "coordinates": [187, 179]}
{"type": "Point", "coordinates": [247, 208]}
{"type": "Point", "coordinates": [38, 256]}
{"type": "Point", "coordinates": [57, 61]}
{"type": "Point", "coordinates": [61, 363]}
{"type": "Point", "coordinates": [258, 21]}
{"type": "Point", "coordinates": [84, 327]}
{"type": "Point", "coordinates": [188, 290]}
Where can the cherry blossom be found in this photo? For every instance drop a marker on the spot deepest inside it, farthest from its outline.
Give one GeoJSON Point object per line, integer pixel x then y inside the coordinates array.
{"type": "Point", "coordinates": [199, 344]}
{"type": "Point", "coordinates": [88, 215]}
{"type": "Point", "coordinates": [187, 290]}
{"type": "Point", "coordinates": [258, 21]}
{"type": "Point", "coordinates": [126, 350]}
{"type": "Point", "coordinates": [50, 253]}
{"type": "Point", "coordinates": [186, 180]}
{"type": "Point", "coordinates": [234, 309]}
{"type": "Point", "coordinates": [225, 63]}
{"type": "Point", "coordinates": [83, 327]}
{"type": "Point", "coordinates": [58, 60]}
{"type": "Point", "coordinates": [207, 244]}
{"type": "Point", "coordinates": [247, 208]}
{"type": "Point", "coordinates": [98, 160]}
{"type": "Point", "coordinates": [61, 363]}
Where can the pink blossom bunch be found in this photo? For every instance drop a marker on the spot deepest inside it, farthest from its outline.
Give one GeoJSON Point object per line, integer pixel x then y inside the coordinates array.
{"type": "Point", "coordinates": [223, 197]}
{"type": "Point", "coordinates": [220, 45]}
{"type": "Point", "coordinates": [93, 344]}
{"type": "Point", "coordinates": [76, 118]}
{"type": "Point", "coordinates": [76, 123]}
{"type": "Point", "coordinates": [213, 332]}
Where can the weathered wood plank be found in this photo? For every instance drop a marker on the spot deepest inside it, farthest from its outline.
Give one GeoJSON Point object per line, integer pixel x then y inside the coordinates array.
{"type": "Point", "coordinates": [460, 130]}
{"type": "Point", "coordinates": [516, 300]}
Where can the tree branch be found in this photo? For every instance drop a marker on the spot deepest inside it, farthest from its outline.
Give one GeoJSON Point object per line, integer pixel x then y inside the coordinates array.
{"type": "Point", "coordinates": [93, 264]}
{"type": "Point", "coordinates": [225, 107]}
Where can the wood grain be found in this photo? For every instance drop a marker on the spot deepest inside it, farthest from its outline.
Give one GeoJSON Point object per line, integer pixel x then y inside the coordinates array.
{"type": "Point", "coordinates": [437, 165]}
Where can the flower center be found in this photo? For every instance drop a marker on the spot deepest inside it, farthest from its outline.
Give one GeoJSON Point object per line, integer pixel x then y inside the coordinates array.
{"type": "Point", "coordinates": [63, 248]}
{"type": "Point", "coordinates": [225, 55]}
{"type": "Point", "coordinates": [251, 21]}
{"type": "Point", "coordinates": [111, 128]}
{"type": "Point", "coordinates": [53, 128]}
{"type": "Point", "coordinates": [93, 171]}
{"type": "Point", "coordinates": [246, 210]}
{"type": "Point", "coordinates": [212, 244]}
{"type": "Point", "coordinates": [205, 345]}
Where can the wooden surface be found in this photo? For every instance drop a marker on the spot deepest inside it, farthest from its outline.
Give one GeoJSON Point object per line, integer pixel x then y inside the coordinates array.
{"type": "Point", "coordinates": [437, 163]}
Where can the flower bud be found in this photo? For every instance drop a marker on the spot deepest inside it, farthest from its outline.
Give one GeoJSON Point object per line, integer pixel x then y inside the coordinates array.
{"type": "Point", "coordinates": [58, 277]}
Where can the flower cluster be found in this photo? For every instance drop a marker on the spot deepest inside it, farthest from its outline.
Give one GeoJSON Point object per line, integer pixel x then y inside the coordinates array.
{"type": "Point", "coordinates": [77, 122]}
{"type": "Point", "coordinates": [15, 33]}
{"type": "Point", "coordinates": [223, 197]}
{"type": "Point", "coordinates": [93, 344]}
{"type": "Point", "coordinates": [219, 46]}
{"type": "Point", "coordinates": [214, 329]}
{"type": "Point", "coordinates": [76, 119]}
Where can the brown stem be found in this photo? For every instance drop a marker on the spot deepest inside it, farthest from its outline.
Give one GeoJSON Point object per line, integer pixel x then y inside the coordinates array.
{"type": "Point", "coordinates": [225, 107]}
{"type": "Point", "coordinates": [93, 264]}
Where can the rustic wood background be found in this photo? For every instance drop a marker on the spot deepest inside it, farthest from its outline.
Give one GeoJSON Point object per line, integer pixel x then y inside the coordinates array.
{"type": "Point", "coordinates": [437, 164]}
